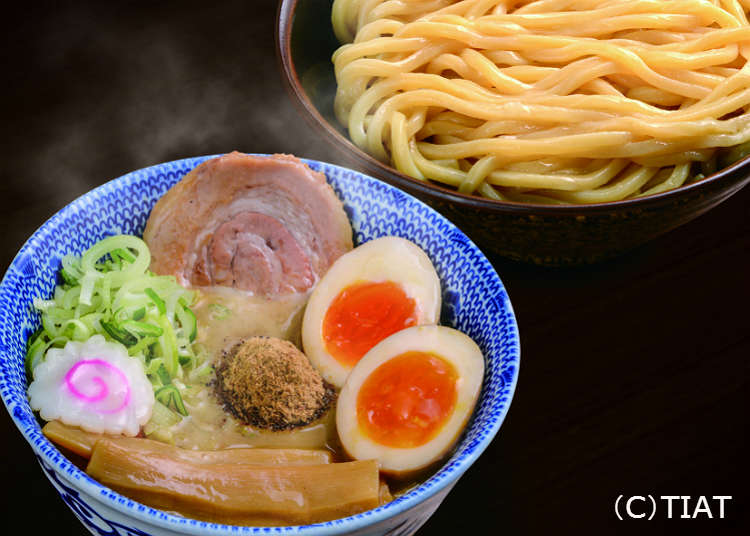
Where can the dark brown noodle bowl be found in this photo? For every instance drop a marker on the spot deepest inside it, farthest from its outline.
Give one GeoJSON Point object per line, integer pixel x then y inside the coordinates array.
{"type": "Point", "coordinates": [540, 234]}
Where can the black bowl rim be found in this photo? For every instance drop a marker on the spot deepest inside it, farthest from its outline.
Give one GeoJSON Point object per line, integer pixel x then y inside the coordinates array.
{"type": "Point", "coordinates": [437, 192]}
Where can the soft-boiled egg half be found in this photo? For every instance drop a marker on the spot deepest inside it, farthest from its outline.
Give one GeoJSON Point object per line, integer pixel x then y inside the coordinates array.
{"type": "Point", "coordinates": [369, 293]}
{"type": "Point", "coordinates": [407, 400]}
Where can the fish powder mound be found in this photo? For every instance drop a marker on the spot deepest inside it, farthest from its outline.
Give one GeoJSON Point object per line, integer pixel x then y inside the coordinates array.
{"type": "Point", "coordinates": [268, 383]}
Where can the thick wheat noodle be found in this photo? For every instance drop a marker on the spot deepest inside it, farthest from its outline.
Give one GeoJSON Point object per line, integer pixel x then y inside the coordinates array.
{"type": "Point", "coordinates": [554, 101]}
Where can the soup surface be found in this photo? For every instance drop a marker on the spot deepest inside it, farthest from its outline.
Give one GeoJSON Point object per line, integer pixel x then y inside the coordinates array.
{"type": "Point", "coordinates": [226, 316]}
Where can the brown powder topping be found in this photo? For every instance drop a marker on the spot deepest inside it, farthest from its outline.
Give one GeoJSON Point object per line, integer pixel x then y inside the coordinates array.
{"type": "Point", "coordinates": [268, 383]}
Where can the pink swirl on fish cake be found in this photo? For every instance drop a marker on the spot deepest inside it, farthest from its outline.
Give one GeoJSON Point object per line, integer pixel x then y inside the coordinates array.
{"type": "Point", "coordinates": [111, 386]}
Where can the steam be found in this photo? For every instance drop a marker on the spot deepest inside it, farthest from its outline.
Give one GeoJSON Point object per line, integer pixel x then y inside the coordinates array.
{"type": "Point", "coordinates": [158, 95]}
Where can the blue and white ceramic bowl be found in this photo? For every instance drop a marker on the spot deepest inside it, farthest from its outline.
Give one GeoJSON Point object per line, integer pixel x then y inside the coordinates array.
{"type": "Point", "coordinates": [474, 301]}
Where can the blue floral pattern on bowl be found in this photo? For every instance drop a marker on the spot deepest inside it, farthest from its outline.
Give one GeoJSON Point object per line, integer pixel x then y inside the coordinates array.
{"type": "Point", "coordinates": [475, 302]}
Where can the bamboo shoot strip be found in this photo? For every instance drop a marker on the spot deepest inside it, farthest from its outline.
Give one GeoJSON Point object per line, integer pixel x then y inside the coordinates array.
{"type": "Point", "coordinates": [237, 494]}
{"type": "Point", "coordinates": [74, 439]}
{"type": "Point", "coordinates": [82, 442]}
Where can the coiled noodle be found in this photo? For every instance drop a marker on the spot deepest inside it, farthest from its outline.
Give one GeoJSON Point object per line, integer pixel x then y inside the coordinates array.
{"type": "Point", "coordinates": [552, 101]}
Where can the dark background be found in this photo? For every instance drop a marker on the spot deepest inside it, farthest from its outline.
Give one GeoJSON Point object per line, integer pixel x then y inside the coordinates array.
{"type": "Point", "coordinates": [633, 372]}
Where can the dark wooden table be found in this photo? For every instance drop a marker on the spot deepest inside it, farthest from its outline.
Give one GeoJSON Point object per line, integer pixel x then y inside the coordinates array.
{"type": "Point", "coordinates": [634, 372]}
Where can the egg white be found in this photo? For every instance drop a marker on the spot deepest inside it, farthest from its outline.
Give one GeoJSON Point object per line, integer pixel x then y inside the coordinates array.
{"type": "Point", "coordinates": [384, 259]}
{"type": "Point", "coordinates": [453, 346]}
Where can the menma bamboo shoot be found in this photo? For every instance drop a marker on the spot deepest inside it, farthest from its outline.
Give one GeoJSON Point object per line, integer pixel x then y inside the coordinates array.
{"type": "Point", "coordinates": [82, 442]}
{"type": "Point", "coordinates": [238, 494]}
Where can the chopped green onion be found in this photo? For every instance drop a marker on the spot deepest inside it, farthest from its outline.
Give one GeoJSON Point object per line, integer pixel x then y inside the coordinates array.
{"type": "Point", "coordinates": [81, 331]}
{"type": "Point", "coordinates": [95, 253]}
{"type": "Point", "coordinates": [71, 268]}
{"type": "Point", "coordinates": [67, 277]}
{"type": "Point", "coordinates": [168, 345]}
{"type": "Point", "coordinates": [162, 419]}
{"type": "Point", "coordinates": [201, 373]}
{"type": "Point", "coordinates": [124, 254]}
{"type": "Point", "coordinates": [156, 299]}
{"type": "Point", "coordinates": [118, 334]}
{"type": "Point", "coordinates": [43, 305]}
{"type": "Point", "coordinates": [141, 346]}
{"type": "Point", "coordinates": [170, 396]}
{"type": "Point", "coordinates": [87, 287]}
{"type": "Point", "coordinates": [188, 322]}
{"type": "Point", "coordinates": [109, 291]}
{"type": "Point", "coordinates": [163, 416]}
{"type": "Point", "coordinates": [36, 353]}
{"type": "Point", "coordinates": [163, 375]}
{"type": "Point", "coordinates": [142, 329]}
{"type": "Point", "coordinates": [218, 311]}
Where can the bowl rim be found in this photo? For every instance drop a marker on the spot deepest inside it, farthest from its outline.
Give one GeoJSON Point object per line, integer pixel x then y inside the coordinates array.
{"type": "Point", "coordinates": [443, 478]}
{"type": "Point", "coordinates": [435, 191]}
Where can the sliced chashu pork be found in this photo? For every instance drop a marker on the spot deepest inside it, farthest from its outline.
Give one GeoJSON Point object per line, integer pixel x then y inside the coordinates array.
{"type": "Point", "coordinates": [269, 225]}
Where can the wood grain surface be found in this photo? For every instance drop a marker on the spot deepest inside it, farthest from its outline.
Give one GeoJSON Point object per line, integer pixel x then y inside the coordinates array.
{"type": "Point", "coordinates": [634, 372]}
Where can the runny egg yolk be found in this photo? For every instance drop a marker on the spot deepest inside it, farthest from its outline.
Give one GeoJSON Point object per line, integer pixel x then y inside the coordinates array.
{"type": "Point", "coordinates": [406, 401]}
{"type": "Point", "coordinates": [362, 315]}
